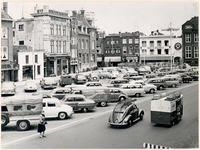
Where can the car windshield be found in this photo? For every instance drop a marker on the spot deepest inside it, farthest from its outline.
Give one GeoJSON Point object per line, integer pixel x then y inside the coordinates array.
{"type": "Point", "coordinates": [49, 80]}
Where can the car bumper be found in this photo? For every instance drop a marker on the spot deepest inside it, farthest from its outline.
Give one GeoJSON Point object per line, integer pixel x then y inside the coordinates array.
{"type": "Point", "coordinates": [50, 86]}
{"type": "Point", "coordinates": [70, 114]}
{"type": "Point", "coordinates": [30, 89]}
{"type": "Point", "coordinates": [117, 124]}
{"type": "Point", "coordinates": [7, 93]}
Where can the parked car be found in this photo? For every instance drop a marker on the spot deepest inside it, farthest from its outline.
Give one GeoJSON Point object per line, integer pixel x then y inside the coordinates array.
{"type": "Point", "coordinates": [149, 76]}
{"type": "Point", "coordinates": [171, 81]}
{"type": "Point", "coordinates": [161, 74]}
{"type": "Point", "coordinates": [88, 84]}
{"type": "Point", "coordinates": [8, 88]}
{"type": "Point", "coordinates": [117, 94]}
{"type": "Point", "coordinates": [185, 78]}
{"type": "Point", "coordinates": [116, 82]}
{"type": "Point", "coordinates": [53, 108]}
{"type": "Point", "coordinates": [148, 88]}
{"type": "Point", "coordinates": [72, 76]}
{"type": "Point", "coordinates": [125, 113]}
{"type": "Point", "coordinates": [102, 74]}
{"type": "Point", "coordinates": [78, 102]}
{"type": "Point", "coordinates": [48, 82]}
{"type": "Point", "coordinates": [80, 79]}
{"type": "Point", "coordinates": [175, 76]}
{"type": "Point", "coordinates": [114, 74]}
{"type": "Point", "coordinates": [65, 80]}
{"type": "Point", "coordinates": [60, 92]}
{"type": "Point", "coordinates": [30, 86]}
{"type": "Point", "coordinates": [133, 78]}
{"type": "Point", "coordinates": [133, 89]}
{"type": "Point", "coordinates": [93, 77]}
{"type": "Point", "coordinates": [159, 82]}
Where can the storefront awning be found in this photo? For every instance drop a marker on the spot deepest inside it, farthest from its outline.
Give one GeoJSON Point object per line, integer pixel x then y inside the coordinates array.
{"type": "Point", "coordinates": [112, 59]}
{"type": "Point", "coordinates": [155, 58]}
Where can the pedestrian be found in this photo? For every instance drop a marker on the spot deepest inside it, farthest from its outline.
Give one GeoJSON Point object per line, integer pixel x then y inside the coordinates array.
{"type": "Point", "coordinates": [41, 125]}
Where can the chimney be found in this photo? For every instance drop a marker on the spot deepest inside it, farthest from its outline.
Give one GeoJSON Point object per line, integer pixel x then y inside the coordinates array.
{"type": "Point", "coordinates": [82, 12]}
{"type": "Point", "coordinates": [74, 13]}
{"type": "Point", "coordinates": [5, 7]}
{"type": "Point", "coordinates": [35, 8]}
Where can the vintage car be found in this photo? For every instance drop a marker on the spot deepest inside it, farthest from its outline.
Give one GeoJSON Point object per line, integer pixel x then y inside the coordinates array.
{"type": "Point", "coordinates": [185, 78]}
{"type": "Point", "coordinates": [93, 84]}
{"type": "Point", "coordinates": [79, 102]}
{"type": "Point", "coordinates": [65, 80]}
{"type": "Point", "coordinates": [159, 82]}
{"type": "Point", "coordinates": [8, 88]}
{"type": "Point", "coordinates": [133, 89]}
{"type": "Point", "coordinates": [148, 88]}
{"type": "Point", "coordinates": [117, 94]}
{"type": "Point", "coordinates": [116, 82]}
{"type": "Point", "coordinates": [53, 108]}
{"type": "Point", "coordinates": [30, 86]}
{"type": "Point", "coordinates": [60, 92]}
{"type": "Point", "coordinates": [93, 77]}
{"type": "Point", "coordinates": [125, 113]}
{"type": "Point", "coordinates": [48, 82]}
{"type": "Point", "coordinates": [80, 79]}
{"type": "Point", "coordinates": [172, 81]}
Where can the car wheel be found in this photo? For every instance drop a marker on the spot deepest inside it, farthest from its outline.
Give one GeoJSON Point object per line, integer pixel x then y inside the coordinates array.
{"type": "Point", "coordinates": [62, 115]}
{"type": "Point", "coordinates": [161, 87]}
{"type": "Point", "coordinates": [84, 109]}
{"type": "Point", "coordinates": [130, 122]}
{"type": "Point", "coordinates": [173, 85]}
{"type": "Point", "coordinates": [4, 120]}
{"type": "Point", "coordinates": [122, 98]}
{"type": "Point", "coordinates": [137, 94]}
{"type": "Point", "coordinates": [152, 91]}
{"type": "Point", "coordinates": [103, 104]}
{"type": "Point", "coordinates": [23, 125]}
{"type": "Point", "coordinates": [141, 116]}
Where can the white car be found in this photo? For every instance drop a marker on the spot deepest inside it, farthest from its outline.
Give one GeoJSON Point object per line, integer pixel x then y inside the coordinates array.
{"type": "Point", "coordinates": [30, 86]}
{"type": "Point", "coordinates": [133, 89]}
{"type": "Point", "coordinates": [53, 108]}
{"type": "Point", "coordinates": [148, 88]}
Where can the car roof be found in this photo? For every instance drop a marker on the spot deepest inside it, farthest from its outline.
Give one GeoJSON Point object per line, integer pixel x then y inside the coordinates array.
{"type": "Point", "coordinates": [130, 84]}
{"type": "Point", "coordinates": [75, 95]}
{"type": "Point", "coordinates": [53, 99]}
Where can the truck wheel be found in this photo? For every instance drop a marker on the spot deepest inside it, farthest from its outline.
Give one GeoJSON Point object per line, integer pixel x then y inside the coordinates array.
{"type": "Point", "coordinates": [161, 87]}
{"type": "Point", "coordinates": [23, 125]}
{"type": "Point", "coordinates": [152, 91]}
{"type": "Point", "coordinates": [122, 98]}
{"type": "Point", "coordinates": [137, 94]}
{"type": "Point", "coordinates": [130, 122]}
{"type": "Point", "coordinates": [62, 115]}
{"type": "Point", "coordinates": [4, 120]}
{"type": "Point", "coordinates": [103, 104]}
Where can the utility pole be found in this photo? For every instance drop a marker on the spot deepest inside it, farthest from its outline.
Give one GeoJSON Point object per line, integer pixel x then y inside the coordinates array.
{"type": "Point", "coordinates": [170, 29]}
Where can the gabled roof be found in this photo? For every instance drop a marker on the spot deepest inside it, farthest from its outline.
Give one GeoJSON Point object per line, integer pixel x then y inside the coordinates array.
{"type": "Point", "coordinates": [5, 16]}
{"type": "Point", "coordinates": [194, 21]}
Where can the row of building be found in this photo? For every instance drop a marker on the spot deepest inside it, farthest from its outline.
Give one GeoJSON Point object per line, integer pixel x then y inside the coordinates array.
{"type": "Point", "coordinates": [52, 42]}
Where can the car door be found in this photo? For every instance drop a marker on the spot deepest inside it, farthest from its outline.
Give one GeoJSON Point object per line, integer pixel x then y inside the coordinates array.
{"type": "Point", "coordinates": [79, 102]}
{"type": "Point", "coordinates": [50, 109]}
{"type": "Point", "coordinates": [114, 94]}
{"type": "Point", "coordinates": [134, 111]}
{"type": "Point", "coordinates": [71, 102]}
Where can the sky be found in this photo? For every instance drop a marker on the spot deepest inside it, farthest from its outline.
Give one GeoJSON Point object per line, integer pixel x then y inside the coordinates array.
{"type": "Point", "coordinates": [120, 16]}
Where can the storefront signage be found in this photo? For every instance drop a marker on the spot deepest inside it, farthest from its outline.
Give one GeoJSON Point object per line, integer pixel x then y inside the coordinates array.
{"type": "Point", "coordinates": [4, 53]}
{"type": "Point", "coordinates": [74, 62]}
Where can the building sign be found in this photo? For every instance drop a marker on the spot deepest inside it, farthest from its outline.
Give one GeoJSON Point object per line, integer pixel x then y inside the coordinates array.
{"type": "Point", "coordinates": [178, 46]}
{"type": "Point", "coordinates": [4, 53]}
{"type": "Point", "coordinates": [74, 62]}
{"type": "Point", "coordinates": [188, 27]}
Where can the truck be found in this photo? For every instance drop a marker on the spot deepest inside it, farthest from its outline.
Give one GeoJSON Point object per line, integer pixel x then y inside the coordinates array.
{"type": "Point", "coordinates": [167, 108]}
{"type": "Point", "coordinates": [22, 110]}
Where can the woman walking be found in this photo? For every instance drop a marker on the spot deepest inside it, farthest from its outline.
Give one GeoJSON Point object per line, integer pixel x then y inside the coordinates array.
{"type": "Point", "coordinates": [41, 125]}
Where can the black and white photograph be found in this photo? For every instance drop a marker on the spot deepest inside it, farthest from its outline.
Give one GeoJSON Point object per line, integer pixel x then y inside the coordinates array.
{"type": "Point", "coordinates": [99, 74]}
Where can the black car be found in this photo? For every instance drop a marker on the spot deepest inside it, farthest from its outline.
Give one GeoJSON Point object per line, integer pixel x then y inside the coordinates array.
{"type": "Point", "coordinates": [185, 78]}
{"type": "Point", "coordinates": [125, 113]}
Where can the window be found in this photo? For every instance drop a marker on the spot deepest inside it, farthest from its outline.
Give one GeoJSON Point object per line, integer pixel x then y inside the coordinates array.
{"type": "Point", "coordinates": [144, 52]}
{"type": "Point", "coordinates": [136, 41]}
{"type": "Point", "coordinates": [159, 51]}
{"type": "Point", "coordinates": [59, 92]}
{"type": "Point", "coordinates": [13, 33]}
{"type": "Point", "coordinates": [52, 46]}
{"type": "Point", "coordinates": [166, 43]}
{"type": "Point", "coordinates": [59, 50]}
{"type": "Point", "coordinates": [49, 104]}
{"type": "Point", "coordinates": [79, 43]}
{"type": "Point", "coordinates": [151, 51]}
{"type": "Point", "coordinates": [144, 43]}
{"type": "Point", "coordinates": [56, 29]}
{"type": "Point", "coordinates": [83, 58]}
{"type": "Point", "coordinates": [64, 30]}
{"type": "Point", "coordinates": [130, 50]}
{"type": "Point", "coordinates": [187, 38]}
{"type": "Point", "coordinates": [166, 51]}
{"type": "Point", "coordinates": [59, 29]}
{"type": "Point", "coordinates": [86, 44]}
{"type": "Point", "coordinates": [21, 42]}
{"type": "Point", "coordinates": [130, 41]}
{"type": "Point", "coordinates": [82, 44]}
{"type": "Point", "coordinates": [93, 44]}
{"type": "Point", "coordinates": [196, 37]}
{"type": "Point", "coordinates": [56, 46]}
{"type": "Point", "coordinates": [5, 33]}
{"type": "Point", "coordinates": [107, 42]}
{"type": "Point", "coordinates": [123, 41]}
{"type": "Point", "coordinates": [159, 43]}
{"type": "Point", "coordinates": [151, 43]}
{"type": "Point", "coordinates": [18, 108]}
{"type": "Point", "coordinates": [27, 59]}
{"type": "Point", "coordinates": [196, 52]}
{"type": "Point", "coordinates": [79, 99]}
{"type": "Point", "coordinates": [31, 107]}
{"type": "Point", "coordinates": [52, 29]}
{"type": "Point", "coordinates": [117, 51]}
{"type": "Point", "coordinates": [124, 49]}
{"type": "Point", "coordinates": [36, 58]}
{"type": "Point", "coordinates": [4, 53]}
{"type": "Point", "coordinates": [188, 53]}
{"type": "Point", "coordinates": [38, 70]}
{"type": "Point", "coordinates": [21, 27]}
{"type": "Point", "coordinates": [64, 46]}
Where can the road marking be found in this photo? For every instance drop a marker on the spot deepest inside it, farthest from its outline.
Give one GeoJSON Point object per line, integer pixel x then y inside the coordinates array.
{"type": "Point", "coordinates": [153, 146]}
{"type": "Point", "coordinates": [83, 120]}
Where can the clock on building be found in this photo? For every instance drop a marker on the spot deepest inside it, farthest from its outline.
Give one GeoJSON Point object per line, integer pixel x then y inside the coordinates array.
{"type": "Point", "coordinates": [178, 46]}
